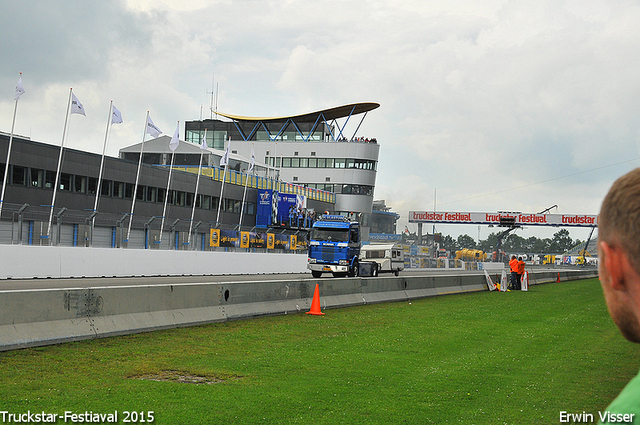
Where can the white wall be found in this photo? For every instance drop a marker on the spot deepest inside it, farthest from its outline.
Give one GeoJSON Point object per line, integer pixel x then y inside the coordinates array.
{"type": "Point", "coordinates": [26, 262]}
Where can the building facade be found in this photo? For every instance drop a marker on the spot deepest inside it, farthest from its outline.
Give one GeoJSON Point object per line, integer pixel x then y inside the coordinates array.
{"type": "Point", "coordinates": [312, 150]}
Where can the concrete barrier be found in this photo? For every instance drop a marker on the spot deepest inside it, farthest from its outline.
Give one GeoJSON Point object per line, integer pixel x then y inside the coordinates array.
{"type": "Point", "coordinates": [28, 262]}
{"type": "Point", "coordinates": [40, 317]}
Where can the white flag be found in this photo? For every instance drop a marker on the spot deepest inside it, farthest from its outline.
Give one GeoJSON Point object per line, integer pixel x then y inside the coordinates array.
{"type": "Point", "coordinates": [253, 161]}
{"type": "Point", "coordinates": [175, 140]}
{"type": "Point", "coordinates": [116, 116]}
{"type": "Point", "coordinates": [203, 145]}
{"type": "Point", "coordinates": [152, 130]}
{"type": "Point", "coordinates": [224, 161]}
{"type": "Point", "coordinates": [19, 89]}
{"type": "Point", "coordinates": [76, 106]}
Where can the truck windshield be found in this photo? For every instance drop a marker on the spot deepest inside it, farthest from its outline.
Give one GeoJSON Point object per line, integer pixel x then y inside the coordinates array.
{"type": "Point", "coordinates": [330, 235]}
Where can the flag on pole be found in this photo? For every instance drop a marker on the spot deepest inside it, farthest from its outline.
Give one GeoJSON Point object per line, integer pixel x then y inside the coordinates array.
{"type": "Point", "coordinates": [76, 106]}
{"type": "Point", "coordinates": [19, 89]}
{"type": "Point", "coordinates": [253, 161]}
{"type": "Point", "coordinates": [203, 145]}
{"type": "Point", "coordinates": [224, 161]}
{"type": "Point", "coordinates": [152, 129]}
{"type": "Point", "coordinates": [175, 140]}
{"type": "Point", "coordinates": [116, 116]}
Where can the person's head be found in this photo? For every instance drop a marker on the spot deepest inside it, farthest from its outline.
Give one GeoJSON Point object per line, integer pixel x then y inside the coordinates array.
{"type": "Point", "coordinates": [513, 257]}
{"type": "Point", "coordinates": [619, 253]}
{"type": "Point", "coordinates": [519, 258]}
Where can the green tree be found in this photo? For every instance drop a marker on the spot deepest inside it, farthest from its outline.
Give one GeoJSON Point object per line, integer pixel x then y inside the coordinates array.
{"type": "Point", "coordinates": [466, 241]}
{"type": "Point", "coordinates": [449, 244]}
{"type": "Point", "coordinates": [561, 241]}
{"type": "Point", "coordinates": [514, 242]}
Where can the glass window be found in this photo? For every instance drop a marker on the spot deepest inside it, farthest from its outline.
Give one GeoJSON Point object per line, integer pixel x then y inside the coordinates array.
{"type": "Point", "coordinates": [140, 194]}
{"type": "Point", "coordinates": [65, 181]}
{"type": "Point", "coordinates": [304, 162]}
{"type": "Point", "coordinates": [92, 185]}
{"type": "Point", "coordinates": [339, 163]}
{"type": "Point", "coordinates": [105, 190]}
{"type": "Point", "coordinates": [118, 189]}
{"type": "Point", "coordinates": [37, 178]}
{"type": "Point", "coordinates": [350, 163]}
{"type": "Point", "coordinates": [313, 162]}
{"type": "Point", "coordinates": [128, 190]}
{"type": "Point", "coordinates": [152, 194]}
{"type": "Point", "coordinates": [49, 179]}
{"type": "Point", "coordinates": [295, 162]}
{"type": "Point", "coordinates": [189, 199]}
{"type": "Point", "coordinates": [18, 176]}
{"type": "Point", "coordinates": [329, 163]}
{"type": "Point", "coordinates": [181, 198]}
{"type": "Point", "coordinates": [286, 162]}
{"type": "Point", "coordinates": [161, 194]}
{"type": "Point", "coordinates": [322, 163]}
{"type": "Point", "coordinates": [80, 184]}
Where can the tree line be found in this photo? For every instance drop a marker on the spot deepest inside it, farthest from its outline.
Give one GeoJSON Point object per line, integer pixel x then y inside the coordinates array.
{"type": "Point", "coordinates": [559, 243]}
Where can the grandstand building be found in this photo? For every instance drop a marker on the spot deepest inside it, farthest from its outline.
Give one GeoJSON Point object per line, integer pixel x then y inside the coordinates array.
{"type": "Point", "coordinates": [312, 150]}
{"type": "Point", "coordinates": [307, 157]}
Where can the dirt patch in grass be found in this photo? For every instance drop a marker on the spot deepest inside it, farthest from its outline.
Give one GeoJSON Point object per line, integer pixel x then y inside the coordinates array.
{"type": "Point", "coordinates": [185, 377]}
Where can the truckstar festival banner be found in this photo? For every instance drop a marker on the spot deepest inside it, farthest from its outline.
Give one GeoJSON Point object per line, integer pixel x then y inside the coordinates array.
{"type": "Point", "coordinates": [518, 219]}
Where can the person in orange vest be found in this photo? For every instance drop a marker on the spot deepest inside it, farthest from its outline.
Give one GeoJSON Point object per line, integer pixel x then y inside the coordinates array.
{"type": "Point", "coordinates": [513, 264]}
{"type": "Point", "coordinates": [520, 273]}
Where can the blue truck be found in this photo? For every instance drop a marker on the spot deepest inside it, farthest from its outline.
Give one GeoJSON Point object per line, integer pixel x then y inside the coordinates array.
{"type": "Point", "coordinates": [334, 246]}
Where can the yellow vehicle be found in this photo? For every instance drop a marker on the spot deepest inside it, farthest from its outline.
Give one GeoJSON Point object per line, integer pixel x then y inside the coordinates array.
{"type": "Point", "coordinates": [470, 255]}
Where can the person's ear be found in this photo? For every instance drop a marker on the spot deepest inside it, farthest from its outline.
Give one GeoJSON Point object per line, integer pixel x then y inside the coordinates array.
{"type": "Point", "coordinates": [615, 263]}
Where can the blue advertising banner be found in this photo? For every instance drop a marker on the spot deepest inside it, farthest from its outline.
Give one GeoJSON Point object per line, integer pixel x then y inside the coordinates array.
{"type": "Point", "coordinates": [263, 213]}
{"type": "Point", "coordinates": [285, 204]}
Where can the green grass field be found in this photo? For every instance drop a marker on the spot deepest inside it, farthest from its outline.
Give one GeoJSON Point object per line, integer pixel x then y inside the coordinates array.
{"type": "Point", "coordinates": [480, 358]}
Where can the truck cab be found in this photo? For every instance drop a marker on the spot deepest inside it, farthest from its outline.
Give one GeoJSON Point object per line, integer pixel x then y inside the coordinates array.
{"type": "Point", "coordinates": [334, 246]}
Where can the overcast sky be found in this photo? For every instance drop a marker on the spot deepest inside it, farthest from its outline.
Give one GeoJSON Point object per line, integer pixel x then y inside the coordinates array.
{"type": "Point", "coordinates": [485, 106]}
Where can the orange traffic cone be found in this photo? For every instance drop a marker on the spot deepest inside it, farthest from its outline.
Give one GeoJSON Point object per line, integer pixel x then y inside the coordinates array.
{"type": "Point", "coordinates": [315, 304]}
{"type": "Point", "coordinates": [558, 279]}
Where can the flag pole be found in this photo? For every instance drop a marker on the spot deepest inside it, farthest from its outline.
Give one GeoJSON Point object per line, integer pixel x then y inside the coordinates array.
{"type": "Point", "coordinates": [166, 196]}
{"type": "Point", "coordinates": [224, 177]}
{"type": "Point", "coordinates": [244, 195]}
{"type": "Point", "coordinates": [104, 149]}
{"type": "Point", "coordinates": [195, 196]}
{"type": "Point", "coordinates": [6, 164]}
{"type": "Point", "coordinates": [55, 186]}
{"type": "Point", "coordinates": [135, 189]}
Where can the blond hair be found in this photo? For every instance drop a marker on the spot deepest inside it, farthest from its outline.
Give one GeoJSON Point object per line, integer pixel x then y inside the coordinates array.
{"type": "Point", "coordinates": [619, 220]}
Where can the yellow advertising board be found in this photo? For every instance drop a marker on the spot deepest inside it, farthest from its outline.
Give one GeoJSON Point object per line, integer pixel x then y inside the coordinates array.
{"type": "Point", "coordinates": [214, 237]}
{"type": "Point", "coordinates": [244, 239]}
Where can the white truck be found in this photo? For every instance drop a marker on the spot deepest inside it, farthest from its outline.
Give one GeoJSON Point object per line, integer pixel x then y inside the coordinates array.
{"type": "Point", "coordinates": [388, 256]}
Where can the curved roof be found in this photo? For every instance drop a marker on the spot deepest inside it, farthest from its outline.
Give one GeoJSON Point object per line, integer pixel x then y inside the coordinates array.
{"type": "Point", "coordinates": [329, 114]}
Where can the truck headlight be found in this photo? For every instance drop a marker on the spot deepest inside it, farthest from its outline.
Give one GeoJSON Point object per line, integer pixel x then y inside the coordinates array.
{"type": "Point", "coordinates": [343, 262]}
{"type": "Point", "coordinates": [312, 260]}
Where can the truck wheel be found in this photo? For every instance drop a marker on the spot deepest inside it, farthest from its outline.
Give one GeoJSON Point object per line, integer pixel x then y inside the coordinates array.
{"type": "Point", "coordinates": [355, 270]}
{"type": "Point", "coordinates": [316, 273]}
{"type": "Point", "coordinates": [375, 270]}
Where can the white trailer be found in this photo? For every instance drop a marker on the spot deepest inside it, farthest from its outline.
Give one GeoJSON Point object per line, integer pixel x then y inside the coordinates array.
{"type": "Point", "coordinates": [388, 256]}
